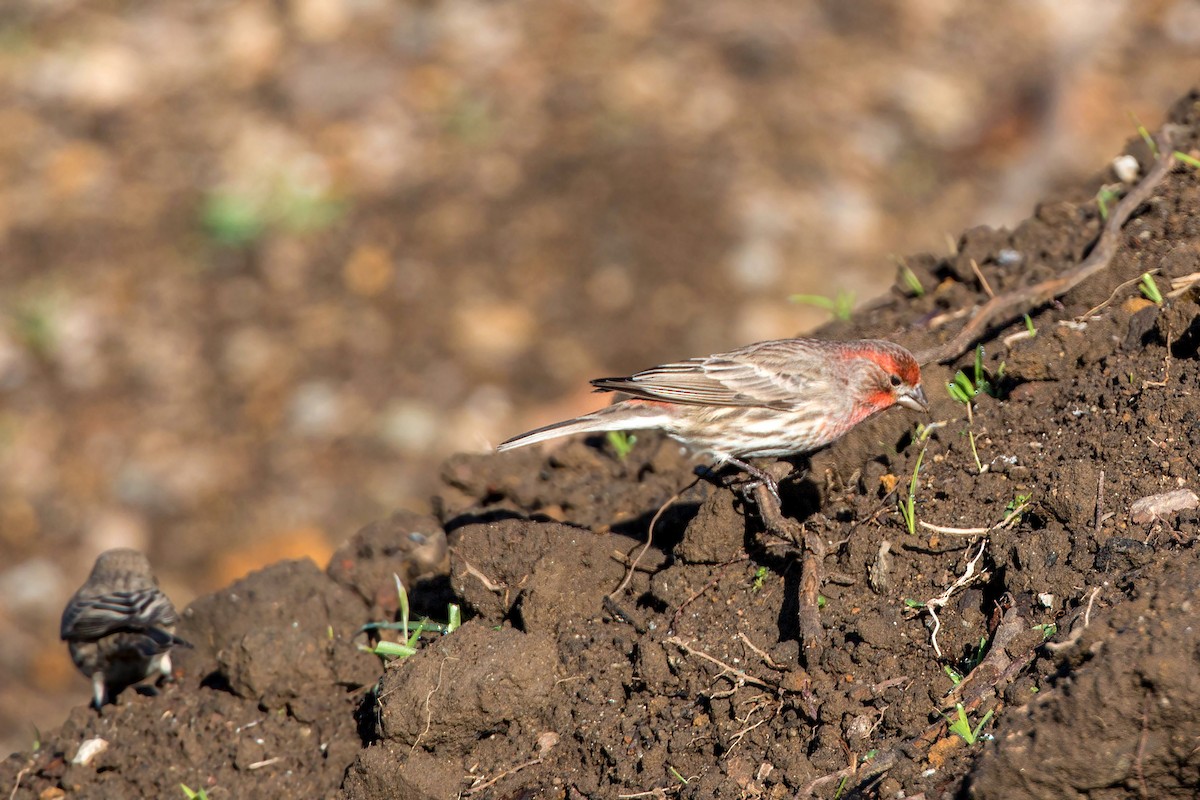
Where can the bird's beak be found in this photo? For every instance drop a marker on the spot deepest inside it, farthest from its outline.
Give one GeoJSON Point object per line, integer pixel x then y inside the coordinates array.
{"type": "Point", "coordinates": [913, 398]}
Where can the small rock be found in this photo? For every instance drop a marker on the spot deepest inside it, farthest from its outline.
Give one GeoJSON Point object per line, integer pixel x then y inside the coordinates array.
{"type": "Point", "coordinates": [1158, 506]}
{"type": "Point", "coordinates": [1126, 168]}
{"type": "Point", "coordinates": [89, 750]}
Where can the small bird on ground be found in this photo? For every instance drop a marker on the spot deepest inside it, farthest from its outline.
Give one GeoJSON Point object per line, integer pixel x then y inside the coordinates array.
{"type": "Point", "coordinates": [120, 627]}
{"type": "Point", "coordinates": [767, 400]}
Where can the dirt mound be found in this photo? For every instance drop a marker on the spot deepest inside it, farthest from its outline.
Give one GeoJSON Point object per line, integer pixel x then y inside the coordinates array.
{"type": "Point", "coordinates": [588, 668]}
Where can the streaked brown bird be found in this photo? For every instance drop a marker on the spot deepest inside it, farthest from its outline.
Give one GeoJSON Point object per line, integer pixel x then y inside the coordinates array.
{"type": "Point", "coordinates": [771, 399]}
{"type": "Point", "coordinates": [119, 626]}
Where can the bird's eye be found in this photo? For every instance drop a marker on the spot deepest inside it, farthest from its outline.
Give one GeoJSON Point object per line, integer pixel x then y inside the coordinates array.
{"type": "Point", "coordinates": [896, 380]}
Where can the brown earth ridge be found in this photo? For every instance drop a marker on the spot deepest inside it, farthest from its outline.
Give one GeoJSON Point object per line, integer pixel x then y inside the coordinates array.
{"type": "Point", "coordinates": [1076, 630]}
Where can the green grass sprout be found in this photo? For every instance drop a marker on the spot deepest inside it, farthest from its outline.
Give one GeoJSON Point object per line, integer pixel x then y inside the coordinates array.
{"type": "Point", "coordinates": [980, 652]}
{"type": "Point", "coordinates": [1029, 327]}
{"type": "Point", "coordinates": [956, 677]}
{"type": "Point", "coordinates": [1145, 134]}
{"type": "Point", "coordinates": [1104, 197]}
{"type": "Point", "coordinates": [1191, 161]}
{"type": "Point", "coordinates": [908, 505]}
{"type": "Point", "coordinates": [193, 794]}
{"type": "Point", "coordinates": [962, 725]}
{"type": "Point", "coordinates": [1150, 290]}
{"type": "Point", "coordinates": [911, 281]}
{"type": "Point", "coordinates": [965, 390]}
{"type": "Point", "coordinates": [840, 305]}
{"type": "Point", "coordinates": [409, 647]}
{"type": "Point", "coordinates": [622, 443]}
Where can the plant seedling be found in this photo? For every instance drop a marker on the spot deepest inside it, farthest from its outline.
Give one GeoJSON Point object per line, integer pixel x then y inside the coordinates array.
{"type": "Point", "coordinates": [1191, 161]}
{"type": "Point", "coordinates": [1150, 290]}
{"type": "Point", "coordinates": [389, 650]}
{"type": "Point", "coordinates": [911, 281]}
{"type": "Point", "coordinates": [908, 505]}
{"type": "Point", "coordinates": [760, 577]}
{"type": "Point", "coordinates": [193, 794]}
{"type": "Point", "coordinates": [622, 443]}
{"type": "Point", "coordinates": [1019, 500]}
{"type": "Point", "coordinates": [1104, 198]}
{"type": "Point", "coordinates": [1048, 630]}
{"type": "Point", "coordinates": [965, 390]}
{"type": "Point", "coordinates": [962, 725]}
{"type": "Point", "coordinates": [1145, 134]}
{"type": "Point", "coordinates": [840, 305]}
{"type": "Point", "coordinates": [956, 677]}
{"type": "Point", "coordinates": [980, 652]}
{"type": "Point", "coordinates": [1029, 327]}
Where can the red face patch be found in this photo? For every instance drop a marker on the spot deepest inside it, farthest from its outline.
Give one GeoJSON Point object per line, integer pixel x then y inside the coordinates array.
{"type": "Point", "coordinates": [893, 359]}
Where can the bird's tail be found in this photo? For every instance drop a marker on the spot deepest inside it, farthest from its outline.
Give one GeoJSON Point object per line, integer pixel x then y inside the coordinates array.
{"type": "Point", "coordinates": [624, 416]}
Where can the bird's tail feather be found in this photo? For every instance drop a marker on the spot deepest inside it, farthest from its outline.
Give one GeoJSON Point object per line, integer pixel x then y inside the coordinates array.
{"type": "Point", "coordinates": [613, 418]}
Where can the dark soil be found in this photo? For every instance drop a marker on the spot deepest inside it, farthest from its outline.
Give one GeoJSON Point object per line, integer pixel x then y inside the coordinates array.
{"type": "Point", "coordinates": [1076, 632]}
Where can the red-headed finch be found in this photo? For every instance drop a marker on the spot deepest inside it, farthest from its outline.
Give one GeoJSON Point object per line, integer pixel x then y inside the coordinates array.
{"type": "Point", "coordinates": [120, 627]}
{"type": "Point", "coordinates": [770, 399]}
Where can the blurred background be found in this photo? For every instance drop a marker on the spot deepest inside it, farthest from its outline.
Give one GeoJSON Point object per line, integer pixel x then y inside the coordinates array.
{"type": "Point", "coordinates": [265, 263]}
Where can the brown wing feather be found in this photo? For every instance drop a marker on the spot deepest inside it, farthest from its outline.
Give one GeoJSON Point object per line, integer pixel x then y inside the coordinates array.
{"type": "Point", "coordinates": [776, 374]}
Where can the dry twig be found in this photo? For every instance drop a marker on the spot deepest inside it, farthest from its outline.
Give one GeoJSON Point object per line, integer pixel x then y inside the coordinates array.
{"type": "Point", "coordinates": [512, 770]}
{"type": "Point", "coordinates": [741, 675]}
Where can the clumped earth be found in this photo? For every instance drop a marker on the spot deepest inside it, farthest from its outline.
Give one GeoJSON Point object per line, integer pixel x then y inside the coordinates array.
{"type": "Point", "coordinates": [589, 668]}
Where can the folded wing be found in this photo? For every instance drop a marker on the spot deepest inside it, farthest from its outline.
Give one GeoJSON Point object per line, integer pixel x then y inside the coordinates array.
{"type": "Point", "coordinates": [778, 374]}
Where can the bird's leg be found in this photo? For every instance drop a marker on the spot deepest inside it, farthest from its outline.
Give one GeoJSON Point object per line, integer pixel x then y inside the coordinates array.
{"type": "Point", "coordinates": [758, 478]}
{"type": "Point", "coordinates": [763, 490]}
{"type": "Point", "coordinates": [812, 634]}
{"type": "Point", "coordinates": [164, 670]}
{"type": "Point", "coordinates": [765, 495]}
{"type": "Point", "coordinates": [99, 690]}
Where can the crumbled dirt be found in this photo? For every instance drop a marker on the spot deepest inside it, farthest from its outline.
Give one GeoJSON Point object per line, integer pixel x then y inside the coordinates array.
{"type": "Point", "coordinates": [265, 264]}
{"type": "Point", "coordinates": [1076, 632]}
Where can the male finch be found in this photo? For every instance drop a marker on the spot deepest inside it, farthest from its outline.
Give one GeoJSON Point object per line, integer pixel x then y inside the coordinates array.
{"type": "Point", "coordinates": [770, 399]}
{"type": "Point", "coordinates": [119, 625]}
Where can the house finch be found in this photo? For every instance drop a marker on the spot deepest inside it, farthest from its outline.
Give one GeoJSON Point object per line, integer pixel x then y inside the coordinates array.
{"type": "Point", "coordinates": [119, 626]}
{"type": "Point", "coordinates": [770, 399]}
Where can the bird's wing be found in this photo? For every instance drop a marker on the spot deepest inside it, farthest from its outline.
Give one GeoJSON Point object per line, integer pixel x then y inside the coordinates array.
{"type": "Point", "coordinates": [769, 374]}
{"type": "Point", "coordinates": [93, 616]}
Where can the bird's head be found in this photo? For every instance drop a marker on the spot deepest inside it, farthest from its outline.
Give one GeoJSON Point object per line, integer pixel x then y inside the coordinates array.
{"type": "Point", "coordinates": [889, 375]}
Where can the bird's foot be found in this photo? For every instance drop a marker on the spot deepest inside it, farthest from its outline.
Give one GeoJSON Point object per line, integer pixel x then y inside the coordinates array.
{"type": "Point", "coordinates": [757, 477]}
